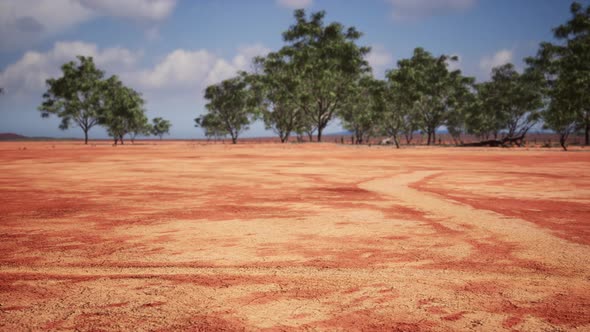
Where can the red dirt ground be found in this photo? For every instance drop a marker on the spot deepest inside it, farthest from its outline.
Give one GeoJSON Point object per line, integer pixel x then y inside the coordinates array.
{"type": "Point", "coordinates": [269, 237]}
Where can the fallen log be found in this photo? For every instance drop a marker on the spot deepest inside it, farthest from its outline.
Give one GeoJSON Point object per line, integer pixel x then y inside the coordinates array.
{"type": "Point", "coordinates": [495, 143]}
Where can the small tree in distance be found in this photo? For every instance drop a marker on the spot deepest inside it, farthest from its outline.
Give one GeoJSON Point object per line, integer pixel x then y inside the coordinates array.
{"type": "Point", "coordinates": [76, 97]}
{"type": "Point", "coordinates": [233, 104]}
{"type": "Point", "coordinates": [509, 106]}
{"type": "Point", "coordinates": [123, 109]}
{"type": "Point", "coordinates": [141, 126]}
{"type": "Point", "coordinates": [429, 90]}
{"type": "Point", "coordinates": [160, 127]}
{"type": "Point", "coordinates": [212, 125]}
{"type": "Point", "coordinates": [361, 113]}
{"type": "Point", "coordinates": [279, 112]}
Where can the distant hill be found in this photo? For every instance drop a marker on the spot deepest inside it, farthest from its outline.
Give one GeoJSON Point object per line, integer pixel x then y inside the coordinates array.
{"type": "Point", "coordinates": [10, 136]}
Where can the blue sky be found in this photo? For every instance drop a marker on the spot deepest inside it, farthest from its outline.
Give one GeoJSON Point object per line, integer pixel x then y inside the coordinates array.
{"type": "Point", "coordinates": [170, 50]}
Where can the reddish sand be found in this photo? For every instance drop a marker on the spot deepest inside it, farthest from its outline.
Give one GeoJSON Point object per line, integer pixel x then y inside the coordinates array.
{"type": "Point", "coordinates": [187, 236]}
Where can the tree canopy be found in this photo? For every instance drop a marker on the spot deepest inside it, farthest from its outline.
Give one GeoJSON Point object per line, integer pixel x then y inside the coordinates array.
{"type": "Point", "coordinates": [316, 70]}
{"type": "Point", "coordinates": [429, 88]}
{"type": "Point", "coordinates": [212, 125]}
{"type": "Point", "coordinates": [509, 104]}
{"type": "Point", "coordinates": [361, 112]}
{"type": "Point", "coordinates": [565, 68]}
{"type": "Point", "coordinates": [83, 97]}
{"type": "Point", "coordinates": [160, 127]}
{"type": "Point", "coordinates": [123, 110]}
{"type": "Point", "coordinates": [76, 97]}
{"type": "Point", "coordinates": [233, 104]}
{"type": "Point", "coordinates": [321, 73]}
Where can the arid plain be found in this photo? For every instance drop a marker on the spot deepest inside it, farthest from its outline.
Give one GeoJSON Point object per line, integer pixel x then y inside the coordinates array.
{"type": "Point", "coordinates": [188, 236]}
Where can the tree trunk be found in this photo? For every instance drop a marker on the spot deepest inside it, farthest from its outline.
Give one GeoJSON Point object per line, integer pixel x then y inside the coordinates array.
{"type": "Point", "coordinates": [562, 140]}
{"type": "Point", "coordinates": [395, 140]}
{"type": "Point", "coordinates": [434, 136]}
{"type": "Point", "coordinates": [429, 136]}
{"type": "Point", "coordinates": [234, 139]}
{"type": "Point", "coordinates": [284, 138]}
{"type": "Point", "coordinates": [320, 134]}
{"type": "Point", "coordinates": [587, 133]}
{"type": "Point", "coordinates": [409, 137]}
{"type": "Point", "coordinates": [121, 139]}
{"type": "Point", "coordinates": [310, 135]}
{"type": "Point", "coordinates": [86, 136]}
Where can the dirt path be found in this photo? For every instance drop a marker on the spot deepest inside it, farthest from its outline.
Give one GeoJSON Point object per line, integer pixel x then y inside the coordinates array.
{"type": "Point", "coordinates": [527, 240]}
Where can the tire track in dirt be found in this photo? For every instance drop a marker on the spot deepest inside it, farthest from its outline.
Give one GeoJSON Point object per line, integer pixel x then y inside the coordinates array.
{"type": "Point", "coordinates": [528, 241]}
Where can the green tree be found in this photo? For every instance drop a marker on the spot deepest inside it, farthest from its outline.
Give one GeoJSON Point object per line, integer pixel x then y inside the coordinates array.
{"type": "Point", "coordinates": [483, 119]}
{"type": "Point", "coordinates": [565, 67]}
{"type": "Point", "coordinates": [562, 115]}
{"type": "Point", "coordinates": [234, 103]}
{"type": "Point", "coordinates": [361, 112]}
{"type": "Point", "coordinates": [212, 125]}
{"type": "Point", "coordinates": [281, 116]}
{"type": "Point", "coordinates": [410, 124]}
{"type": "Point", "coordinates": [160, 127]}
{"type": "Point", "coordinates": [395, 108]}
{"type": "Point", "coordinates": [123, 110]}
{"type": "Point", "coordinates": [140, 126]}
{"type": "Point", "coordinates": [318, 66]}
{"type": "Point", "coordinates": [278, 111]}
{"type": "Point", "coordinates": [514, 100]}
{"type": "Point", "coordinates": [463, 104]}
{"type": "Point", "coordinates": [76, 97]}
{"type": "Point", "coordinates": [432, 90]}
{"type": "Point", "coordinates": [305, 125]}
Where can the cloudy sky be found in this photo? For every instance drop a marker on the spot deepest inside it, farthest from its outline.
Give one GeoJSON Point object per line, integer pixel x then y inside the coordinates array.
{"type": "Point", "coordinates": [170, 50]}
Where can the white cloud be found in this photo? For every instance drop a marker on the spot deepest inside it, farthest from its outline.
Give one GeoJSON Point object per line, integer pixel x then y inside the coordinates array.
{"type": "Point", "coordinates": [294, 4]}
{"type": "Point", "coordinates": [26, 22]}
{"type": "Point", "coordinates": [180, 69]}
{"type": "Point", "coordinates": [136, 9]}
{"type": "Point", "coordinates": [152, 33]}
{"type": "Point", "coordinates": [380, 59]}
{"type": "Point", "coordinates": [412, 9]}
{"type": "Point", "coordinates": [29, 73]}
{"type": "Point", "coordinates": [501, 57]}
{"type": "Point", "coordinates": [195, 69]}
{"type": "Point", "coordinates": [243, 60]}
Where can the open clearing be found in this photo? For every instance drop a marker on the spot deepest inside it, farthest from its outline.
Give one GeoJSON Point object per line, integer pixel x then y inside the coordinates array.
{"type": "Point", "coordinates": [182, 236]}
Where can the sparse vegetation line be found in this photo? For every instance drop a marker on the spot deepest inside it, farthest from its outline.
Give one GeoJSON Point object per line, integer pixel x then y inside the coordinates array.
{"type": "Point", "coordinates": [321, 73]}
